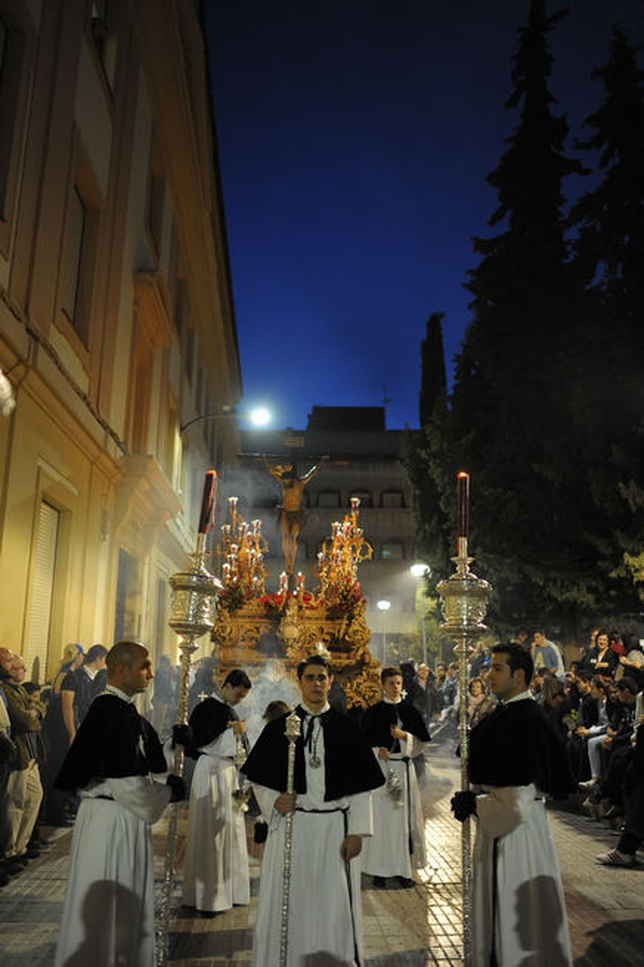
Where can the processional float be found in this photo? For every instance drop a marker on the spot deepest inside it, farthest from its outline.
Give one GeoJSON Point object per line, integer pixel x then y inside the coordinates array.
{"type": "Point", "coordinates": [464, 598]}
{"type": "Point", "coordinates": [237, 610]}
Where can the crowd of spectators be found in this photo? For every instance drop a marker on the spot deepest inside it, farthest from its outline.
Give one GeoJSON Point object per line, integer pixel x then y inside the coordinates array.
{"type": "Point", "coordinates": [595, 706]}
{"type": "Point", "coordinates": [37, 725]}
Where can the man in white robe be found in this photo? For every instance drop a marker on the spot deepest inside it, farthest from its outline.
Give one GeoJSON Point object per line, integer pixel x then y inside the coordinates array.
{"type": "Point", "coordinates": [334, 772]}
{"type": "Point", "coordinates": [216, 875]}
{"type": "Point", "coordinates": [108, 914]}
{"type": "Point", "coordinates": [518, 912]}
{"type": "Point", "coordinates": [397, 734]}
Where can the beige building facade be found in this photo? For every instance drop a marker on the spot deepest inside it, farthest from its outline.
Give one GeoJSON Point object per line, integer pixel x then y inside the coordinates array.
{"type": "Point", "coordinates": [117, 323]}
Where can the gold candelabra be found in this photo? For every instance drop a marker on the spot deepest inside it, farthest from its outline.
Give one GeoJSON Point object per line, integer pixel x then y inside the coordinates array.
{"type": "Point", "coordinates": [241, 549]}
{"type": "Point", "coordinates": [339, 557]}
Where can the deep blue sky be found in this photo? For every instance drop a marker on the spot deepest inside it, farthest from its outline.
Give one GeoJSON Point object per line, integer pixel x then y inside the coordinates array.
{"type": "Point", "coordinates": [354, 139]}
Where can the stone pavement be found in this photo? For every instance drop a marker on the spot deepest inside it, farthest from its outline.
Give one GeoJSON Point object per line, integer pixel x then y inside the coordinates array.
{"type": "Point", "coordinates": [415, 928]}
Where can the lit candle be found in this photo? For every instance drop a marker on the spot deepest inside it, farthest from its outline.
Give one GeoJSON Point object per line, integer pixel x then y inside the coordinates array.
{"type": "Point", "coordinates": [462, 503]}
{"type": "Point", "coordinates": [207, 515]}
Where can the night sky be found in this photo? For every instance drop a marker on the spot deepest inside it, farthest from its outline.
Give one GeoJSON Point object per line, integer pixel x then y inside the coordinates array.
{"type": "Point", "coordinates": [354, 140]}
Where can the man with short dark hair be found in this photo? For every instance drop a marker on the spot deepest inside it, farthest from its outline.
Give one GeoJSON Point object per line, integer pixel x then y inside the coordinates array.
{"type": "Point", "coordinates": [546, 655]}
{"type": "Point", "coordinates": [108, 914]}
{"type": "Point", "coordinates": [335, 770]}
{"type": "Point", "coordinates": [216, 868]}
{"type": "Point", "coordinates": [515, 757]}
{"type": "Point", "coordinates": [397, 733]}
{"type": "Point", "coordinates": [89, 681]}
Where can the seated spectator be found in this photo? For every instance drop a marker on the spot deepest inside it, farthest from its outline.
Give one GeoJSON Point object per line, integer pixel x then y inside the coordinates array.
{"type": "Point", "coordinates": [587, 717]}
{"type": "Point", "coordinates": [555, 706]}
{"type": "Point", "coordinates": [632, 663]}
{"type": "Point", "coordinates": [602, 659]}
{"type": "Point", "coordinates": [632, 834]}
{"type": "Point", "coordinates": [618, 735]}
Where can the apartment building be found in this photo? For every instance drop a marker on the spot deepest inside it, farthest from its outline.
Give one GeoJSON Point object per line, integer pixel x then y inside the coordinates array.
{"type": "Point", "coordinates": [117, 324]}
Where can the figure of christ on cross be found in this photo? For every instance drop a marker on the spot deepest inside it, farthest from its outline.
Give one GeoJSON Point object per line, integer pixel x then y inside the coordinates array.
{"type": "Point", "coordinates": [291, 514]}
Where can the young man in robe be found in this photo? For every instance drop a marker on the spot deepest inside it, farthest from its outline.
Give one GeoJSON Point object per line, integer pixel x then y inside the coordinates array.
{"type": "Point", "coordinates": [108, 914]}
{"type": "Point", "coordinates": [216, 873]}
{"type": "Point", "coordinates": [335, 770]}
{"type": "Point", "coordinates": [518, 912]}
{"type": "Point", "coordinates": [397, 734]}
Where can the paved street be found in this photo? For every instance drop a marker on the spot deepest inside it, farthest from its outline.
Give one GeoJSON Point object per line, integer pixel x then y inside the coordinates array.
{"type": "Point", "coordinates": [414, 928]}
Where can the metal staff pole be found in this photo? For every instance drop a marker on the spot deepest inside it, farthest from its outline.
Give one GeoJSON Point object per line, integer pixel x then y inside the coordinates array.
{"type": "Point", "coordinates": [464, 603]}
{"type": "Point", "coordinates": [293, 729]}
{"type": "Point", "coordinates": [193, 605]}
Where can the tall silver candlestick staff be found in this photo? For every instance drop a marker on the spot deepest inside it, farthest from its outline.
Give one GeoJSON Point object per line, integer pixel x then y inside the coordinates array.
{"type": "Point", "coordinates": [465, 600]}
{"type": "Point", "coordinates": [293, 729]}
{"type": "Point", "coordinates": [193, 614]}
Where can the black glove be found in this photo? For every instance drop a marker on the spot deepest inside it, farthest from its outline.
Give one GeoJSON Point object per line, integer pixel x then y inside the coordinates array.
{"type": "Point", "coordinates": [178, 787]}
{"type": "Point", "coordinates": [181, 735]}
{"type": "Point", "coordinates": [463, 805]}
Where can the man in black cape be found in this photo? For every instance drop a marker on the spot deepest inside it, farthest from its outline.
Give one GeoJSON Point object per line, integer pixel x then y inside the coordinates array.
{"type": "Point", "coordinates": [396, 732]}
{"type": "Point", "coordinates": [335, 771]}
{"type": "Point", "coordinates": [516, 759]}
{"type": "Point", "coordinates": [108, 914]}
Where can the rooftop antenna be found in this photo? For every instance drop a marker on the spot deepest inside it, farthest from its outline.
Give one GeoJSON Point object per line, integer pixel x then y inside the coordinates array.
{"type": "Point", "coordinates": [386, 399]}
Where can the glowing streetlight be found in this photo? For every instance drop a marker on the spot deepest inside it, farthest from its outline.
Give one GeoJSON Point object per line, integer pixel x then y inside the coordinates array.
{"type": "Point", "coordinates": [259, 416]}
{"type": "Point", "coordinates": [384, 606]}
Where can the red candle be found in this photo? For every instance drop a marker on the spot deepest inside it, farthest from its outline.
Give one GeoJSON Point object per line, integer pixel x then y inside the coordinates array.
{"type": "Point", "coordinates": [462, 503]}
{"type": "Point", "coordinates": [207, 515]}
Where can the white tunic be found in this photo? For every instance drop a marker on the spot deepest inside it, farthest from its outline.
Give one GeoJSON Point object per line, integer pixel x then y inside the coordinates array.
{"type": "Point", "coordinates": [527, 903]}
{"type": "Point", "coordinates": [397, 821]}
{"type": "Point", "coordinates": [325, 913]}
{"type": "Point", "coordinates": [108, 914]}
{"type": "Point", "coordinates": [216, 866]}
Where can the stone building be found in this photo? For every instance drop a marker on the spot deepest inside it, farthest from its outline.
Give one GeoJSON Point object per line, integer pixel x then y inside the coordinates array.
{"type": "Point", "coordinates": [116, 318]}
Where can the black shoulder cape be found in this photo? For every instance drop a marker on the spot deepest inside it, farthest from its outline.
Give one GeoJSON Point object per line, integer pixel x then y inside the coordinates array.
{"type": "Point", "coordinates": [107, 745]}
{"type": "Point", "coordinates": [379, 718]}
{"type": "Point", "coordinates": [209, 719]}
{"type": "Point", "coordinates": [515, 745]}
{"type": "Point", "coordinates": [350, 766]}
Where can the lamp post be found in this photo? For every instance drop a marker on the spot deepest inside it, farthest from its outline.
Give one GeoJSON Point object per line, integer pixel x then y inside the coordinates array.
{"type": "Point", "coordinates": [384, 606]}
{"type": "Point", "coordinates": [420, 571]}
{"type": "Point", "coordinates": [259, 416]}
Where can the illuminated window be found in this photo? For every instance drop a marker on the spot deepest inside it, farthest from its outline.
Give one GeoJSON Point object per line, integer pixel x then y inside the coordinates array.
{"type": "Point", "coordinates": [392, 551]}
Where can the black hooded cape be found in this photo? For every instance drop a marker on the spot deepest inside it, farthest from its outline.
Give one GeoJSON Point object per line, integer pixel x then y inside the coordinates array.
{"type": "Point", "coordinates": [108, 746]}
{"type": "Point", "coordinates": [515, 745]}
{"type": "Point", "coordinates": [209, 720]}
{"type": "Point", "coordinates": [379, 718]}
{"type": "Point", "coordinates": [350, 766]}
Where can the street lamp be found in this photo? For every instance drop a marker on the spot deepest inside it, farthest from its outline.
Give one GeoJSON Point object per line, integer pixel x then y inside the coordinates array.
{"type": "Point", "coordinates": [384, 606]}
{"type": "Point", "coordinates": [420, 571]}
{"type": "Point", "coordinates": [259, 416]}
